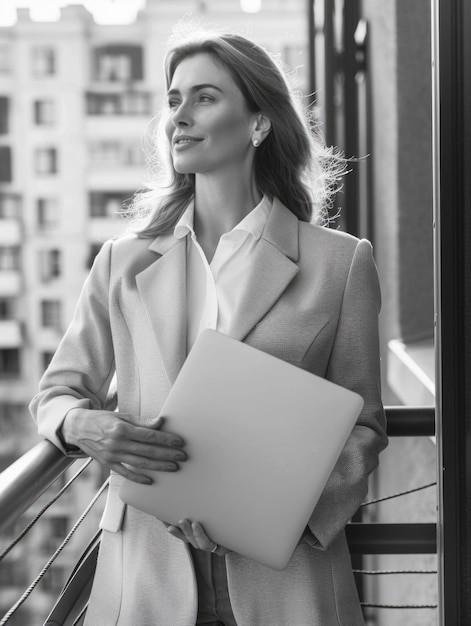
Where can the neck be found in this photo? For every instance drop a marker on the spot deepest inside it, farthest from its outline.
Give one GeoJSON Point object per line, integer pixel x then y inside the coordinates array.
{"type": "Point", "coordinates": [221, 202]}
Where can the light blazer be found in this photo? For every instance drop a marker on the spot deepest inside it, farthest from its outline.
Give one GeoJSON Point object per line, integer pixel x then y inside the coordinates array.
{"type": "Point", "coordinates": [312, 299]}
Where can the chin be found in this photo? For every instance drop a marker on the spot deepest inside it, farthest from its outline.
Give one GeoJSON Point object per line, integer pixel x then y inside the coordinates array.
{"type": "Point", "coordinates": [185, 168]}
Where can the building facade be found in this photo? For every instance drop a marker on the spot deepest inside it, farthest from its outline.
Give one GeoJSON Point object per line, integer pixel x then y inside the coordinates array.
{"type": "Point", "coordinates": [76, 100]}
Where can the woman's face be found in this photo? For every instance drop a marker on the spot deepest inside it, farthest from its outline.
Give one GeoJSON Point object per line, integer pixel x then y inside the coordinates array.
{"type": "Point", "coordinates": [209, 126]}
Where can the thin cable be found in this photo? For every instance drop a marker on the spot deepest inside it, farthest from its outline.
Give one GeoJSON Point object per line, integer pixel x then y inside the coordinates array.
{"type": "Point", "coordinates": [397, 495]}
{"type": "Point", "coordinates": [397, 606]}
{"type": "Point", "coordinates": [44, 509]}
{"type": "Point", "coordinates": [380, 572]}
{"type": "Point", "coordinates": [46, 567]}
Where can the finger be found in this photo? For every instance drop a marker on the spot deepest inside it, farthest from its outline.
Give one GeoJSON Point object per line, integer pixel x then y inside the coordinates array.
{"type": "Point", "coordinates": [201, 538]}
{"type": "Point", "coordinates": [144, 442]}
{"type": "Point", "coordinates": [157, 422]}
{"type": "Point", "coordinates": [139, 463]}
{"type": "Point", "coordinates": [176, 532]}
{"type": "Point", "coordinates": [128, 473]}
{"type": "Point", "coordinates": [146, 434]}
{"type": "Point", "coordinates": [185, 527]}
{"type": "Point", "coordinates": [149, 457]}
{"type": "Point", "coordinates": [140, 456]}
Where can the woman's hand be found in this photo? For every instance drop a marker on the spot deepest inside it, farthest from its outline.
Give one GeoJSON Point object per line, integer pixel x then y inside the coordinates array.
{"type": "Point", "coordinates": [114, 439]}
{"type": "Point", "coordinates": [194, 534]}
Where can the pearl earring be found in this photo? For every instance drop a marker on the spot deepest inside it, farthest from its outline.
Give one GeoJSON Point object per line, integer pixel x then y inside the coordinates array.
{"type": "Point", "coordinates": [256, 143]}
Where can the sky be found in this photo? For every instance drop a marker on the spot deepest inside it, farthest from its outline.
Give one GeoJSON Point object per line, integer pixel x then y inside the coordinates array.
{"type": "Point", "coordinates": [104, 11]}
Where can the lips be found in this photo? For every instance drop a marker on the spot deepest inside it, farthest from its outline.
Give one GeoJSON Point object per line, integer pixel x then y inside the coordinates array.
{"type": "Point", "coordinates": [185, 140]}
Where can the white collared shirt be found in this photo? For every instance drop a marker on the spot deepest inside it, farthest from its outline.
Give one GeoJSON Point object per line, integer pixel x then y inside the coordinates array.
{"type": "Point", "coordinates": [214, 289]}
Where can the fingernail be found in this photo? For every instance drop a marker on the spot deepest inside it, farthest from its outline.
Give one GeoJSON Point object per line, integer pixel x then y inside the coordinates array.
{"type": "Point", "coordinates": [178, 443]}
{"type": "Point", "coordinates": [180, 456]}
{"type": "Point", "coordinates": [171, 467]}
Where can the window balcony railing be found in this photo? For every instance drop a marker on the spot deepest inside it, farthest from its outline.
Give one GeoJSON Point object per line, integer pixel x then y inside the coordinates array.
{"type": "Point", "coordinates": [25, 480]}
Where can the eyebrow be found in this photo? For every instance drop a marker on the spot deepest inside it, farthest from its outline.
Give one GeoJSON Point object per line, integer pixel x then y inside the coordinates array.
{"type": "Point", "coordinates": [195, 88]}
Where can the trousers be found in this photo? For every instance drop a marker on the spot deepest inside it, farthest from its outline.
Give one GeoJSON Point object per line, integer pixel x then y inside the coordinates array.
{"type": "Point", "coordinates": [214, 604]}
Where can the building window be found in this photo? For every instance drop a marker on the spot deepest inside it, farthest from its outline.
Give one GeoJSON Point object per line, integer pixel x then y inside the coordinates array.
{"type": "Point", "coordinates": [48, 213]}
{"type": "Point", "coordinates": [55, 578]}
{"type": "Point", "coordinates": [45, 161]}
{"type": "Point", "coordinates": [5, 164]}
{"type": "Point", "coordinates": [9, 361]}
{"type": "Point", "coordinates": [118, 63]}
{"type": "Point", "coordinates": [5, 63]}
{"type": "Point", "coordinates": [51, 314]}
{"type": "Point", "coordinates": [109, 204]}
{"type": "Point", "coordinates": [10, 204]}
{"type": "Point", "coordinates": [13, 573]}
{"type": "Point", "coordinates": [43, 61]}
{"type": "Point", "coordinates": [114, 153]}
{"type": "Point", "coordinates": [50, 263]}
{"type": "Point", "coordinates": [7, 309]}
{"type": "Point", "coordinates": [9, 258]}
{"type": "Point", "coordinates": [46, 358]}
{"type": "Point", "coordinates": [4, 111]}
{"type": "Point", "coordinates": [129, 103]}
{"type": "Point", "coordinates": [44, 112]}
{"type": "Point", "coordinates": [94, 250]}
{"type": "Point", "coordinates": [11, 415]}
{"type": "Point", "coordinates": [55, 531]}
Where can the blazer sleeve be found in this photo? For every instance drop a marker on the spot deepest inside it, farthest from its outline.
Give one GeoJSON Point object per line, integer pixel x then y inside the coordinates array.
{"type": "Point", "coordinates": [81, 370]}
{"type": "Point", "coordinates": [355, 364]}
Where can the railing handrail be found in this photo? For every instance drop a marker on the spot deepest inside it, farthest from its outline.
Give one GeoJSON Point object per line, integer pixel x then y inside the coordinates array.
{"type": "Point", "coordinates": [25, 480]}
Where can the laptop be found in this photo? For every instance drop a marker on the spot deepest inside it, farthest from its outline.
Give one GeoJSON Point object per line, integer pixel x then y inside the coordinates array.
{"type": "Point", "coordinates": [262, 437]}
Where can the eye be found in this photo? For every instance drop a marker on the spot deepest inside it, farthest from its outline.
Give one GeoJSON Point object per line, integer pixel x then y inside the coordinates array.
{"type": "Point", "coordinates": [204, 97]}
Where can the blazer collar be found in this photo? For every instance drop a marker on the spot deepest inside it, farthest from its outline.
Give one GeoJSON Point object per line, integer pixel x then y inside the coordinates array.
{"type": "Point", "coordinates": [273, 269]}
{"type": "Point", "coordinates": [162, 285]}
{"type": "Point", "coordinates": [282, 230]}
{"type": "Point", "coordinates": [162, 289]}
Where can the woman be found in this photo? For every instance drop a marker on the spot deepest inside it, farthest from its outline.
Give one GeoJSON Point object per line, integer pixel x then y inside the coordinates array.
{"type": "Point", "coordinates": [230, 246]}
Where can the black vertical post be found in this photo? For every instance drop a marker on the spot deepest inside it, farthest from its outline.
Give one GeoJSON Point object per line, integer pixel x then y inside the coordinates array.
{"type": "Point", "coordinates": [350, 66]}
{"type": "Point", "coordinates": [330, 69]}
{"type": "Point", "coordinates": [453, 304]}
{"type": "Point", "coordinates": [311, 31]}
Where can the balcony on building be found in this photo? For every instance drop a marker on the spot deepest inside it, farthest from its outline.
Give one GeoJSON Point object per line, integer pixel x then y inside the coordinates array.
{"type": "Point", "coordinates": [111, 159]}
{"type": "Point", "coordinates": [10, 334]}
{"type": "Point", "coordinates": [117, 90]}
{"type": "Point", "coordinates": [10, 224]}
{"type": "Point", "coordinates": [10, 274]}
{"type": "Point", "coordinates": [107, 211]}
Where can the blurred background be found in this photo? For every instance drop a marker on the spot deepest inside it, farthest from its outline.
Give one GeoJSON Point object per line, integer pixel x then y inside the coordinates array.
{"type": "Point", "coordinates": [78, 85]}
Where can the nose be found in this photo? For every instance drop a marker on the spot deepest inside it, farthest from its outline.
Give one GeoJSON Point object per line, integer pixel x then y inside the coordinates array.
{"type": "Point", "coordinates": [181, 116]}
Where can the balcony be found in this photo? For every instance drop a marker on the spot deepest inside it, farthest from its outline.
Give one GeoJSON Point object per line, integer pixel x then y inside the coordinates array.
{"type": "Point", "coordinates": [24, 482]}
{"type": "Point", "coordinates": [10, 334]}
{"type": "Point", "coordinates": [119, 103]}
{"type": "Point", "coordinates": [10, 232]}
{"type": "Point", "coordinates": [10, 282]}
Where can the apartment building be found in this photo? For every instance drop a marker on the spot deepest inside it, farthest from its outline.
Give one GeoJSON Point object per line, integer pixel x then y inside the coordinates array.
{"type": "Point", "coordinates": [76, 99]}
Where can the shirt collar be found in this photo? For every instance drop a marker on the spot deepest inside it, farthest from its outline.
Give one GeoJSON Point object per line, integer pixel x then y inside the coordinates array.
{"type": "Point", "coordinates": [185, 223]}
{"type": "Point", "coordinates": [253, 223]}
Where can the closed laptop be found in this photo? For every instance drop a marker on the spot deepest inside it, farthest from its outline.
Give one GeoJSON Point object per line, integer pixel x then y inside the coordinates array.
{"type": "Point", "coordinates": [262, 437]}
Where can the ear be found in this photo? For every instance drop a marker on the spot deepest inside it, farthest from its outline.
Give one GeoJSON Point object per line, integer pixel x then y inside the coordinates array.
{"type": "Point", "coordinates": [262, 128]}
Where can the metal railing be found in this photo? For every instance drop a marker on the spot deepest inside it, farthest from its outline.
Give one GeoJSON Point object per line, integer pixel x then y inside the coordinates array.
{"type": "Point", "coordinates": [400, 538]}
{"type": "Point", "coordinates": [23, 482]}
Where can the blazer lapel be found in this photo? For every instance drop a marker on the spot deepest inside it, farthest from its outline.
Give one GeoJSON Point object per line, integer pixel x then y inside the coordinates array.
{"type": "Point", "coordinates": [273, 269]}
{"type": "Point", "coordinates": [162, 289]}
